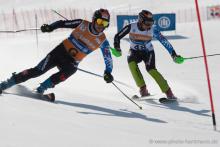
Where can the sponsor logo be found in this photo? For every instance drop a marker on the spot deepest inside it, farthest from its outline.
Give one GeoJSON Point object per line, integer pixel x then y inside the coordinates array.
{"type": "Point", "coordinates": [164, 22]}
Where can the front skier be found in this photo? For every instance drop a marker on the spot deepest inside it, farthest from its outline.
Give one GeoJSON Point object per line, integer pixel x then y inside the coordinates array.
{"type": "Point", "coordinates": [85, 38]}
{"type": "Point", "coordinates": [140, 34]}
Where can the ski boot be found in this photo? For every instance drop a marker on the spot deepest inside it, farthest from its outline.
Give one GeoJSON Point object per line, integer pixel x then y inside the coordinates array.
{"type": "Point", "coordinates": [44, 86]}
{"type": "Point", "coordinates": [170, 95]}
{"type": "Point", "coordinates": [143, 91]}
{"type": "Point", "coordinates": [8, 83]}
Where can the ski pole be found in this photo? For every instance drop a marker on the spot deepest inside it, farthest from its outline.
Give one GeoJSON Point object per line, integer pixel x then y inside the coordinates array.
{"type": "Point", "coordinates": [97, 75]}
{"type": "Point", "coordinates": [22, 30]}
{"type": "Point", "coordinates": [29, 29]}
{"type": "Point", "coordinates": [201, 56]}
{"type": "Point", "coordinates": [59, 14]}
{"type": "Point", "coordinates": [126, 95]}
{"type": "Point", "coordinates": [36, 19]}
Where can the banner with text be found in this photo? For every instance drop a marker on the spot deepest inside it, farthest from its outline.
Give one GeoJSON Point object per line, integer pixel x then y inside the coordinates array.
{"type": "Point", "coordinates": [164, 22]}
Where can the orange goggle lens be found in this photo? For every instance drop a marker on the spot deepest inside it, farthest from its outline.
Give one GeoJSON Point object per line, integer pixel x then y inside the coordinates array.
{"type": "Point", "coordinates": [102, 22]}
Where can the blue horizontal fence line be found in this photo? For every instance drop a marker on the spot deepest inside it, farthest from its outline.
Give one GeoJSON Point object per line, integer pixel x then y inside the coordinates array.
{"type": "Point", "coordinates": [164, 21]}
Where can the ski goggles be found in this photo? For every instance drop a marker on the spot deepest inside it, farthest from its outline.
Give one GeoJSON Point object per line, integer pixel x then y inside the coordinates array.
{"type": "Point", "coordinates": [148, 23]}
{"type": "Point", "coordinates": [103, 22]}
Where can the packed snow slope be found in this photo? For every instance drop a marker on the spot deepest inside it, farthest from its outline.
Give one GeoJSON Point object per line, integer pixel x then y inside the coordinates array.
{"type": "Point", "coordinates": [90, 113]}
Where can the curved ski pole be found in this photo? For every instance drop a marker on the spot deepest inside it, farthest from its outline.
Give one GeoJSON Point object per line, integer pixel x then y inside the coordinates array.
{"type": "Point", "coordinates": [126, 96]}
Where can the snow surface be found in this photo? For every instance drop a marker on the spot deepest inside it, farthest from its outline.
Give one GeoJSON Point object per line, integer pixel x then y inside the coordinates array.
{"type": "Point", "coordinates": [90, 113]}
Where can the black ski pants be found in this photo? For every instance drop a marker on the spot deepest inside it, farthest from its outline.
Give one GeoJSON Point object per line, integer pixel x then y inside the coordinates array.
{"type": "Point", "coordinates": [59, 58]}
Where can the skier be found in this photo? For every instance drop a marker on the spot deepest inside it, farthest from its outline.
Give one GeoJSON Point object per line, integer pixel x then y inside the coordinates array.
{"type": "Point", "coordinates": [141, 49]}
{"type": "Point", "coordinates": [85, 38]}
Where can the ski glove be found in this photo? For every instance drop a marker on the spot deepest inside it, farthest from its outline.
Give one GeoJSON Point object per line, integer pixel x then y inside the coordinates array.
{"type": "Point", "coordinates": [46, 28]}
{"type": "Point", "coordinates": [108, 77]}
{"type": "Point", "coordinates": [177, 58]}
{"type": "Point", "coordinates": [116, 52]}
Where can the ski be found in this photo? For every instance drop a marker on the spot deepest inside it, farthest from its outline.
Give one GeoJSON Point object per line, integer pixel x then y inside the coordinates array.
{"type": "Point", "coordinates": [141, 97]}
{"type": "Point", "coordinates": [148, 98]}
{"type": "Point", "coordinates": [135, 97]}
{"type": "Point", "coordinates": [48, 97]}
{"type": "Point", "coordinates": [164, 100]}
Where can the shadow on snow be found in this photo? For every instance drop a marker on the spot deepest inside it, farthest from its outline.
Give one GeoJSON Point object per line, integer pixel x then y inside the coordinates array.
{"type": "Point", "coordinates": [23, 91]}
{"type": "Point", "coordinates": [176, 106]}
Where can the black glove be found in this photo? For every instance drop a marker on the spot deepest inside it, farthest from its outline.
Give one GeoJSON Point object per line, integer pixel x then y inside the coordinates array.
{"type": "Point", "coordinates": [46, 28]}
{"type": "Point", "coordinates": [108, 77]}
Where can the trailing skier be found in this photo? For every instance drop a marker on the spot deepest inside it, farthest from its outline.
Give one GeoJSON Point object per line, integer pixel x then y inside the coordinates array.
{"type": "Point", "coordinates": [85, 38]}
{"type": "Point", "coordinates": [141, 49]}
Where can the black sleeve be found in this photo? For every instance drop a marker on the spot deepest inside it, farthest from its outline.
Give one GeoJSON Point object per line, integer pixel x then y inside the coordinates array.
{"type": "Point", "coordinates": [66, 23]}
{"type": "Point", "coordinates": [120, 35]}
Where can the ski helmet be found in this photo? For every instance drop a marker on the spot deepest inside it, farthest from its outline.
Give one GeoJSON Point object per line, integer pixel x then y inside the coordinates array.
{"type": "Point", "coordinates": [102, 14]}
{"type": "Point", "coordinates": [145, 17]}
